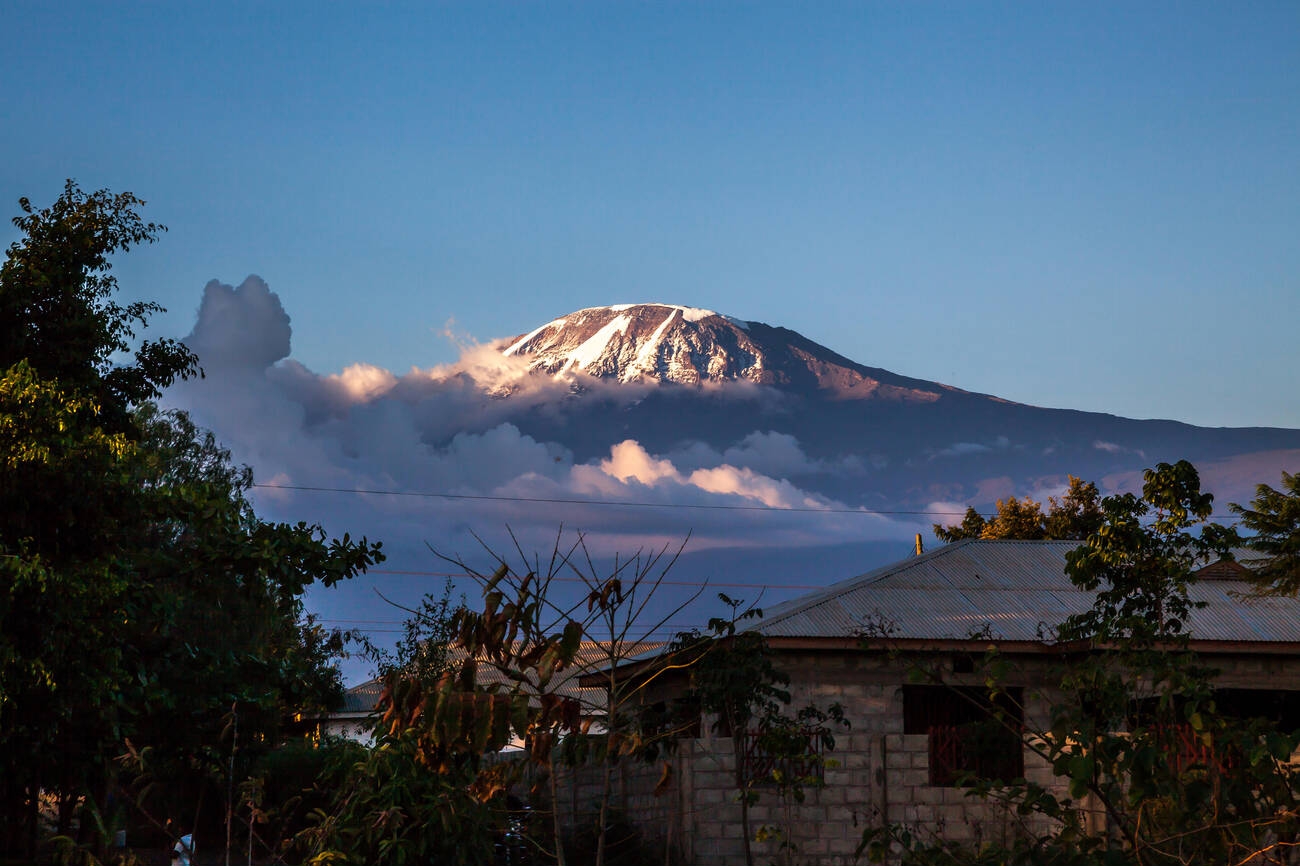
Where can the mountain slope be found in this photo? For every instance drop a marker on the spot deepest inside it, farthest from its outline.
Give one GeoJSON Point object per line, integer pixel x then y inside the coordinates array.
{"type": "Point", "coordinates": [877, 436]}
{"type": "Point", "coordinates": [690, 346]}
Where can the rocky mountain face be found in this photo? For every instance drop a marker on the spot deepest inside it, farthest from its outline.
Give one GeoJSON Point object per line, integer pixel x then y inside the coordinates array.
{"type": "Point", "coordinates": [876, 436]}
{"type": "Point", "coordinates": [689, 346]}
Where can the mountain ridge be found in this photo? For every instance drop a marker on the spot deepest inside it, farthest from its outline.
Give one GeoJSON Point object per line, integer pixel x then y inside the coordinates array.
{"type": "Point", "coordinates": [693, 346]}
{"type": "Point", "coordinates": [907, 440]}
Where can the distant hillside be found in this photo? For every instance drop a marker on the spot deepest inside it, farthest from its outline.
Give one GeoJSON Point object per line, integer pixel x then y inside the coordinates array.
{"type": "Point", "coordinates": [879, 436]}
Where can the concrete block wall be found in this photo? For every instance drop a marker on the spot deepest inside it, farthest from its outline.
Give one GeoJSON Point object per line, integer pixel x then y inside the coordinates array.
{"type": "Point", "coordinates": [878, 775]}
{"type": "Point", "coordinates": [632, 795]}
{"type": "Point", "coordinates": [827, 826]}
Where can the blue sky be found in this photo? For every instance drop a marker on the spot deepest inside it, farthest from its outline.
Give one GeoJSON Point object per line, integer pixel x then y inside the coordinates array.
{"type": "Point", "coordinates": [1087, 205]}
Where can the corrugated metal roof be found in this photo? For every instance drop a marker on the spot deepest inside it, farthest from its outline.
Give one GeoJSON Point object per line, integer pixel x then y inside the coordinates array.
{"type": "Point", "coordinates": [362, 698]}
{"type": "Point", "coordinates": [1010, 590]}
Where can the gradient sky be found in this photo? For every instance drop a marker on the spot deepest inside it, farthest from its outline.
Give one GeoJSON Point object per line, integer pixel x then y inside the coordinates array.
{"type": "Point", "coordinates": [1088, 205]}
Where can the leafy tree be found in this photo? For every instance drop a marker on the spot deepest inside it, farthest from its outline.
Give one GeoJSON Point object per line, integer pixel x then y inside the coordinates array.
{"type": "Point", "coordinates": [383, 804]}
{"type": "Point", "coordinates": [734, 678]}
{"type": "Point", "coordinates": [220, 642]}
{"type": "Point", "coordinates": [390, 807]}
{"type": "Point", "coordinates": [141, 599]}
{"type": "Point", "coordinates": [1273, 518]}
{"type": "Point", "coordinates": [57, 310]}
{"type": "Point", "coordinates": [1077, 514]}
{"type": "Point", "coordinates": [1143, 558]}
{"type": "Point", "coordinates": [1135, 729]}
{"type": "Point", "coordinates": [1074, 516]}
{"type": "Point", "coordinates": [62, 495]}
{"type": "Point", "coordinates": [1016, 518]}
{"type": "Point", "coordinates": [971, 526]}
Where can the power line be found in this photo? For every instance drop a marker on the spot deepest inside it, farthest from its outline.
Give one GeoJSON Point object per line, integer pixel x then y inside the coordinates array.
{"type": "Point", "coordinates": [662, 631]}
{"type": "Point", "coordinates": [663, 627]}
{"type": "Point", "coordinates": [455, 574]}
{"type": "Point", "coordinates": [625, 503]}
{"type": "Point", "coordinates": [622, 503]}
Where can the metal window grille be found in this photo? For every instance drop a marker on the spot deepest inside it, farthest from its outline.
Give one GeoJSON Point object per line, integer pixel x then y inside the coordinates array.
{"type": "Point", "coordinates": [1187, 750]}
{"type": "Point", "coordinates": [762, 767]}
{"type": "Point", "coordinates": [958, 750]}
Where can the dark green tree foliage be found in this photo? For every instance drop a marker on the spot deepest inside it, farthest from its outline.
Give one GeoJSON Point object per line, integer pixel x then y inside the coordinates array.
{"type": "Point", "coordinates": [734, 678]}
{"type": "Point", "coordinates": [1273, 519]}
{"type": "Point", "coordinates": [1135, 735]}
{"type": "Point", "coordinates": [423, 794]}
{"type": "Point", "coordinates": [971, 526]}
{"type": "Point", "coordinates": [217, 600]}
{"type": "Point", "coordinates": [388, 807]}
{"type": "Point", "coordinates": [141, 599]}
{"type": "Point", "coordinates": [56, 302]}
{"type": "Point", "coordinates": [1142, 558]}
{"type": "Point", "coordinates": [1074, 516]}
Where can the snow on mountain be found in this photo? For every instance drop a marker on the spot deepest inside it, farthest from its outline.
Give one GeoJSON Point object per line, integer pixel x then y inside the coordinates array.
{"type": "Point", "coordinates": [690, 346]}
{"type": "Point", "coordinates": [632, 342]}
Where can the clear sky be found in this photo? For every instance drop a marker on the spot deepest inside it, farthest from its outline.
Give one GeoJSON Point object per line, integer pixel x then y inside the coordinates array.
{"type": "Point", "coordinates": [1091, 205]}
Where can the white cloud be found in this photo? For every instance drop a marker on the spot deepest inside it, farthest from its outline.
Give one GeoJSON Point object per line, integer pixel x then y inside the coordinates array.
{"type": "Point", "coordinates": [628, 461]}
{"type": "Point", "coordinates": [449, 431]}
{"type": "Point", "coordinates": [770, 453]}
{"type": "Point", "coordinates": [961, 449]}
{"type": "Point", "coordinates": [1116, 448]}
{"type": "Point", "coordinates": [363, 381]}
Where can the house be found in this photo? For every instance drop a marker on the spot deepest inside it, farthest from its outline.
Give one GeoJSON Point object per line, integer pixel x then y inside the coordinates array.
{"type": "Point", "coordinates": [855, 642]}
{"type": "Point", "coordinates": [356, 717]}
{"type": "Point", "coordinates": [353, 720]}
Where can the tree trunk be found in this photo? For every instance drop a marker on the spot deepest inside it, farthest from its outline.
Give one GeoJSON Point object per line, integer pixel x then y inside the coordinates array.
{"type": "Point", "coordinates": [604, 806]}
{"type": "Point", "coordinates": [32, 830]}
{"type": "Point", "coordinates": [555, 816]}
{"type": "Point", "coordinates": [738, 749]}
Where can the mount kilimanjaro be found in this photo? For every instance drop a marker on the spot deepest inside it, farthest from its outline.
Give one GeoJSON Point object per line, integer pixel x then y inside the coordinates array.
{"type": "Point", "coordinates": [872, 436]}
{"type": "Point", "coordinates": [688, 346]}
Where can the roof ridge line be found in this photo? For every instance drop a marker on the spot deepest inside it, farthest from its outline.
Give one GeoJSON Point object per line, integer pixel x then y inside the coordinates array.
{"type": "Point", "coordinates": [816, 597]}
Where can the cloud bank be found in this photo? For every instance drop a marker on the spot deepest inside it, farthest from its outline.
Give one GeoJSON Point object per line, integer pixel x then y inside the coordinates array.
{"type": "Point", "coordinates": [448, 457]}
{"type": "Point", "coordinates": [441, 458]}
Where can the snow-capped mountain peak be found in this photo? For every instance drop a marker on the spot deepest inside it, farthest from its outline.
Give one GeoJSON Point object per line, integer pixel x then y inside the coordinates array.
{"type": "Point", "coordinates": [691, 346]}
{"type": "Point", "coordinates": [634, 342]}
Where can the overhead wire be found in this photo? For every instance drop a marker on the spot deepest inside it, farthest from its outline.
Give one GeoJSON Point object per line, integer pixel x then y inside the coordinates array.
{"type": "Point", "coordinates": [623, 503]}
{"type": "Point", "coordinates": [665, 582]}
{"type": "Point", "coordinates": [626, 503]}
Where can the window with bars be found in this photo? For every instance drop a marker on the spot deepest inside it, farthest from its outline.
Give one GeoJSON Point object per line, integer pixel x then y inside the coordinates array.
{"type": "Point", "coordinates": [969, 735]}
{"type": "Point", "coordinates": [800, 755]}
